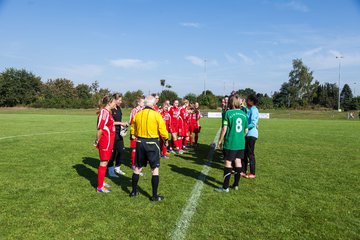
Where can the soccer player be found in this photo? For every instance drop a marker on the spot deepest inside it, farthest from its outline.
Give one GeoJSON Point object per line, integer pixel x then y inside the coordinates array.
{"type": "Point", "coordinates": [183, 124]}
{"type": "Point", "coordinates": [147, 126]}
{"type": "Point", "coordinates": [118, 151]}
{"type": "Point", "coordinates": [167, 118]}
{"type": "Point", "coordinates": [232, 140]}
{"type": "Point", "coordinates": [156, 96]}
{"type": "Point", "coordinates": [253, 119]}
{"type": "Point", "coordinates": [175, 122]}
{"type": "Point", "coordinates": [105, 139]}
{"type": "Point", "coordinates": [195, 123]}
{"type": "Point", "coordinates": [134, 111]}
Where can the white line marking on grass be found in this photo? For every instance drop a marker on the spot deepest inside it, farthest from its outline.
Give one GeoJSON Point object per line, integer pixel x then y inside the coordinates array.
{"type": "Point", "coordinates": [188, 211]}
{"type": "Point", "coordinates": [40, 134]}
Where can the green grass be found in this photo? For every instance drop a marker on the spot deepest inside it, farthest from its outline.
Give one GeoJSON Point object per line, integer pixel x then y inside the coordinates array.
{"type": "Point", "coordinates": [307, 185]}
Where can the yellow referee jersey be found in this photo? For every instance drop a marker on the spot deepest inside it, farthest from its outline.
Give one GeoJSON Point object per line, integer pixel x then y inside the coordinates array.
{"type": "Point", "coordinates": [148, 123]}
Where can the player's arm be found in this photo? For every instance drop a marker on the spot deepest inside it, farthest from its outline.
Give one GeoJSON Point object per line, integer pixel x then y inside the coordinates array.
{"type": "Point", "coordinates": [222, 135]}
{"type": "Point", "coordinates": [254, 119]}
{"type": "Point", "coordinates": [123, 124]}
{"type": "Point", "coordinates": [162, 128]}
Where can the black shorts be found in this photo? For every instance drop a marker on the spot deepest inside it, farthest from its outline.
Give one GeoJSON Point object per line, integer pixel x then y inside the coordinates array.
{"type": "Point", "coordinates": [147, 150]}
{"type": "Point", "coordinates": [231, 155]}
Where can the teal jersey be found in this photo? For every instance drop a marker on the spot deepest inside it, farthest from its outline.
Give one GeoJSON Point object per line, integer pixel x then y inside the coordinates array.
{"type": "Point", "coordinates": [236, 122]}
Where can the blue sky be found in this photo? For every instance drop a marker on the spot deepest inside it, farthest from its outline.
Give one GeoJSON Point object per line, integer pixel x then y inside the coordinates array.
{"type": "Point", "coordinates": [130, 45]}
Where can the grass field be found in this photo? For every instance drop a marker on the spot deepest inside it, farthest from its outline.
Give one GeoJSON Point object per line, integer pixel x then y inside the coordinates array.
{"type": "Point", "coordinates": [307, 187]}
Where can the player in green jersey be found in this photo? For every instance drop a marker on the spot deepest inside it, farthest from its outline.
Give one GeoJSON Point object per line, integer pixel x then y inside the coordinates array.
{"type": "Point", "coordinates": [232, 141]}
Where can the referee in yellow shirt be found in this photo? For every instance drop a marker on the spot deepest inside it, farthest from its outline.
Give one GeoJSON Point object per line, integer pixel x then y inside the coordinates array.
{"type": "Point", "coordinates": [147, 125]}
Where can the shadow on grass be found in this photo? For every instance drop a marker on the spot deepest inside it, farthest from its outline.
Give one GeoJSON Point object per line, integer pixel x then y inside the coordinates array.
{"type": "Point", "coordinates": [123, 181]}
{"type": "Point", "coordinates": [188, 172]}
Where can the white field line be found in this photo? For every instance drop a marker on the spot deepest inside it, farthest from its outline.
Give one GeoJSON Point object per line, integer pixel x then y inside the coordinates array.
{"type": "Point", "coordinates": [189, 209]}
{"type": "Point", "coordinates": [46, 133]}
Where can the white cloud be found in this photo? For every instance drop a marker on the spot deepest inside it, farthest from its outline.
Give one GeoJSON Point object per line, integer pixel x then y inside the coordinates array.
{"type": "Point", "coordinates": [312, 52]}
{"type": "Point", "coordinates": [191, 24]}
{"type": "Point", "coordinates": [200, 61]}
{"type": "Point", "coordinates": [246, 59]}
{"type": "Point", "coordinates": [230, 59]}
{"type": "Point", "coordinates": [130, 63]}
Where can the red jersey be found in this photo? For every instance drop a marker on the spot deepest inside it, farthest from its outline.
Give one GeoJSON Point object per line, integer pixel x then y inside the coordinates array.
{"type": "Point", "coordinates": [156, 108]}
{"type": "Point", "coordinates": [167, 118]}
{"type": "Point", "coordinates": [106, 123]}
{"type": "Point", "coordinates": [194, 118]}
{"type": "Point", "coordinates": [175, 114]}
{"type": "Point", "coordinates": [133, 112]}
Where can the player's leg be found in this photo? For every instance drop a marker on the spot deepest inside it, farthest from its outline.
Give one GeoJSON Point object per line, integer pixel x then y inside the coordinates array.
{"type": "Point", "coordinates": [153, 155]}
{"type": "Point", "coordinates": [228, 158]}
{"type": "Point", "coordinates": [101, 176]}
{"type": "Point", "coordinates": [110, 166]}
{"type": "Point", "coordinates": [239, 156]}
{"type": "Point", "coordinates": [244, 161]}
{"type": "Point", "coordinates": [139, 163]}
{"type": "Point", "coordinates": [251, 154]}
{"type": "Point", "coordinates": [120, 157]}
{"type": "Point", "coordinates": [133, 152]}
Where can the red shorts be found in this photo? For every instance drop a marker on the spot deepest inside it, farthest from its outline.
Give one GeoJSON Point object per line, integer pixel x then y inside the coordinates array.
{"type": "Point", "coordinates": [105, 147]}
{"type": "Point", "coordinates": [105, 155]}
{"type": "Point", "coordinates": [183, 131]}
{"type": "Point", "coordinates": [132, 143]}
{"type": "Point", "coordinates": [175, 128]}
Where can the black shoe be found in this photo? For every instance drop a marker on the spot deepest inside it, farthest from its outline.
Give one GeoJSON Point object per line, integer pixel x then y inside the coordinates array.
{"type": "Point", "coordinates": [157, 198]}
{"type": "Point", "coordinates": [133, 194]}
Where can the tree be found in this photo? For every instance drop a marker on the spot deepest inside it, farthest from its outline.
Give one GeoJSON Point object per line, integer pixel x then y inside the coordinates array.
{"type": "Point", "coordinates": [208, 99]}
{"type": "Point", "coordinates": [246, 92]}
{"type": "Point", "coordinates": [84, 96]}
{"type": "Point", "coordinates": [301, 88]}
{"type": "Point", "coordinates": [265, 102]}
{"type": "Point", "coordinates": [58, 93]}
{"type": "Point", "coordinates": [346, 97]}
{"type": "Point", "coordinates": [168, 95]}
{"type": "Point", "coordinates": [130, 98]}
{"type": "Point", "coordinates": [191, 97]}
{"type": "Point", "coordinates": [326, 95]}
{"type": "Point", "coordinates": [18, 87]}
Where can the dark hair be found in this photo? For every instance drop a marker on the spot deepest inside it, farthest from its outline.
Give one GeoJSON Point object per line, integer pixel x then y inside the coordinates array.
{"type": "Point", "coordinates": [154, 94]}
{"type": "Point", "coordinates": [116, 96]}
{"type": "Point", "coordinates": [234, 102]}
{"type": "Point", "coordinates": [226, 96]}
{"type": "Point", "coordinates": [253, 98]}
{"type": "Point", "coordinates": [103, 102]}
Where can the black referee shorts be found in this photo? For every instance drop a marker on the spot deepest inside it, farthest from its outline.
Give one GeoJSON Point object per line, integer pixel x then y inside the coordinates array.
{"type": "Point", "coordinates": [231, 155]}
{"type": "Point", "coordinates": [147, 150]}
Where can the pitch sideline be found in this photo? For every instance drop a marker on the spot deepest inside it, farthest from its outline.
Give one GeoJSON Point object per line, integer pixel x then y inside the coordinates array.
{"type": "Point", "coordinates": [40, 134]}
{"type": "Point", "coordinates": [189, 209]}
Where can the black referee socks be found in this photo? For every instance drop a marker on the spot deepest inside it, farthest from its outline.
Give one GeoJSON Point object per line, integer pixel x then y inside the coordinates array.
{"type": "Point", "coordinates": [227, 175]}
{"type": "Point", "coordinates": [134, 180]}
{"type": "Point", "coordinates": [155, 184]}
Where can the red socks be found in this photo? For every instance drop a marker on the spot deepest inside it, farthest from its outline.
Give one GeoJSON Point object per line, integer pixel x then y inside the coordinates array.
{"type": "Point", "coordinates": [186, 141]}
{"type": "Point", "coordinates": [101, 176]}
{"type": "Point", "coordinates": [196, 138]}
{"type": "Point", "coordinates": [179, 143]}
{"type": "Point", "coordinates": [133, 153]}
{"type": "Point", "coordinates": [191, 140]}
{"type": "Point", "coordinates": [163, 150]}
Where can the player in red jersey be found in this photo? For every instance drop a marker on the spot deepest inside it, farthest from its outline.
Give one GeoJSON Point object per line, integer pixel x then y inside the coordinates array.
{"type": "Point", "coordinates": [105, 139]}
{"type": "Point", "coordinates": [156, 96]}
{"type": "Point", "coordinates": [174, 112]}
{"type": "Point", "coordinates": [194, 124]}
{"type": "Point", "coordinates": [184, 126]}
{"type": "Point", "coordinates": [134, 111]}
{"type": "Point", "coordinates": [167, 118]}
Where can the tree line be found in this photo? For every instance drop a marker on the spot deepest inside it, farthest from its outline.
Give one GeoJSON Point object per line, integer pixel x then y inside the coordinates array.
{"type": "Point", "coordinates": [19, 87]}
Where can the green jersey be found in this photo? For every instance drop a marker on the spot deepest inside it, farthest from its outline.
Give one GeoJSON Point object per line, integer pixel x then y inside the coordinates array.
{"type": "Point", "coordinates": [236, 122]}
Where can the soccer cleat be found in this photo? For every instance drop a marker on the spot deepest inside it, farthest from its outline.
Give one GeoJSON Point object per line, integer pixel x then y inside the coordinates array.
{"type": "Point", "coordinates": [165, 157]}
{"type": "Point", "coordinates": [235, 187]}
{"type": "Point", "coordinates": [172, 151]}
{"type": "Point", "coordinates": [180, 152]}
{"type": "Point", "coordinates": [133, 194]}
{"type": "Point", "coordinates": [119, 171]}
{"type": "Point", "coordinates": [157, 198]}
{"type": "Point", "coordinates": [243, 175]}
{"type": "Point", "coordinates": [220, 189]}
{"type": "Point", "coordinates": [103, 190]}
{"type": "Point", "coordinates": [111, 172]}
{"type": "Point", "coordinates": [106, 185]}
{"type": "Point", "coordinates": [251, 176]}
